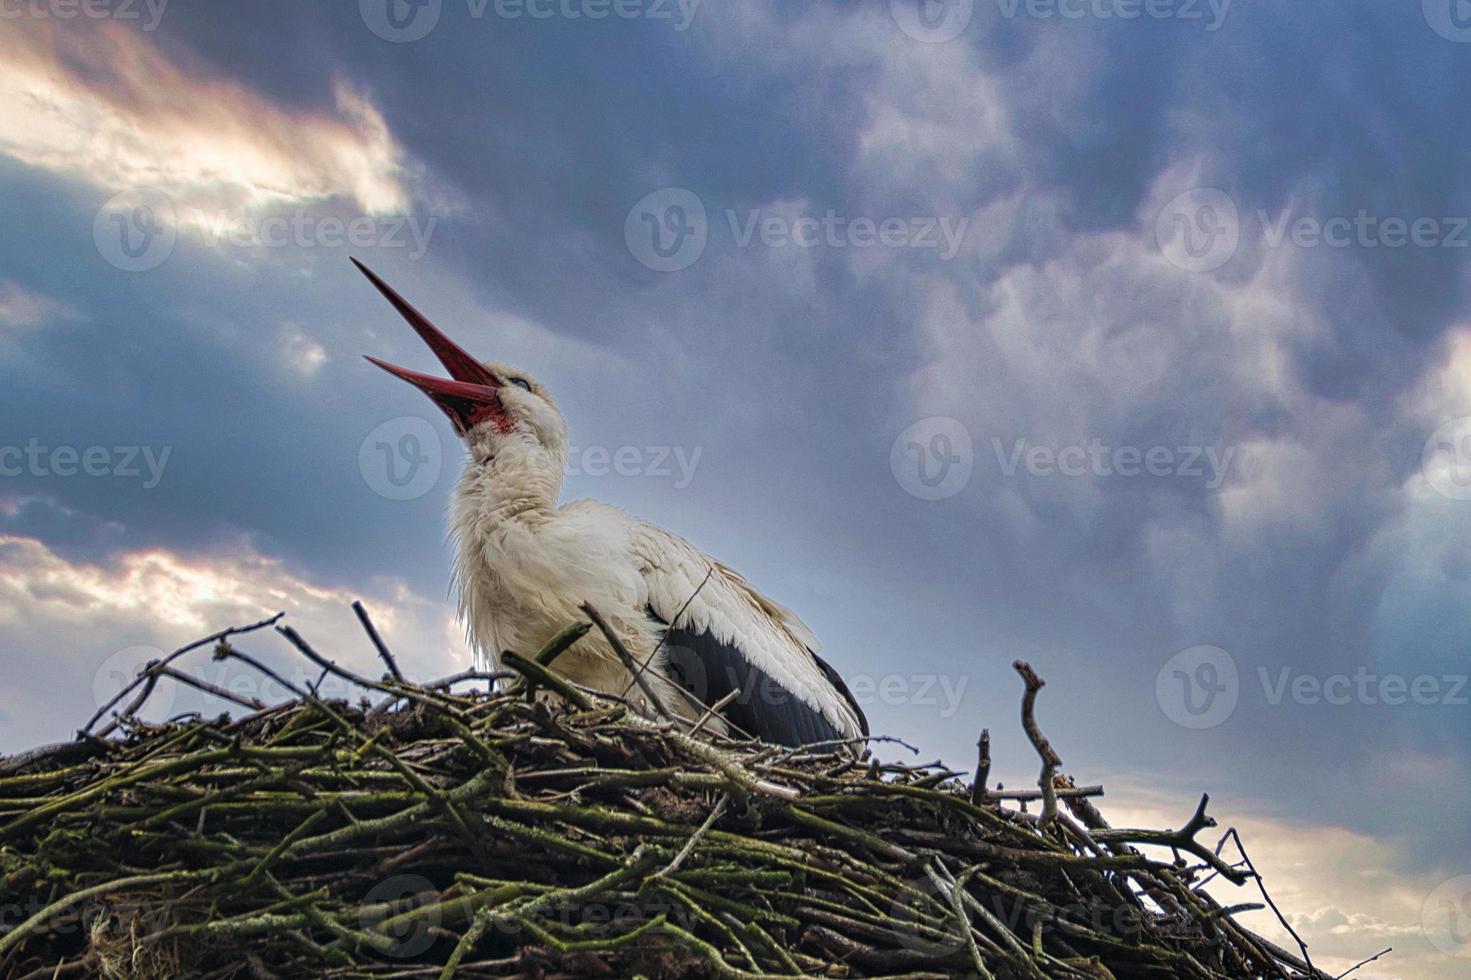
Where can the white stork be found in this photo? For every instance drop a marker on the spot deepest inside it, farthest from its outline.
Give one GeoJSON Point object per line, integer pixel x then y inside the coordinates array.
{"type": "Point", "coordinates": [695, 628]}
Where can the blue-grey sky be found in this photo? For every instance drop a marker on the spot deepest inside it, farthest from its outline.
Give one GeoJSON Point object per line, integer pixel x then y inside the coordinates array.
{"type": "Point", "coordinates": [1122, 336]}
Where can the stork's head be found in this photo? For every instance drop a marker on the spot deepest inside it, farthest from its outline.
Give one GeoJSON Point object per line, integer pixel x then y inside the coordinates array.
{"type": "Point", "coordinates": [493, 406]}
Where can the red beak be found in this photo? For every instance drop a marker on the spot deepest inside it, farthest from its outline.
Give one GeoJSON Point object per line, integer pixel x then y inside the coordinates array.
{"type": "Point", "coordinates": [468, 399]}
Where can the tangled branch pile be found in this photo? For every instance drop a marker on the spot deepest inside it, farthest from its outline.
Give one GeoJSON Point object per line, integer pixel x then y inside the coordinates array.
{"type": "Point", "coordinates": [547, 831]}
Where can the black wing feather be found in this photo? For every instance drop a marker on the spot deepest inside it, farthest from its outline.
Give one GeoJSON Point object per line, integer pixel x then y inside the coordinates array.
{"type": "Point", "coordinates": [836, 680]}
{"type": "Point", "coordinates": [709, 670]}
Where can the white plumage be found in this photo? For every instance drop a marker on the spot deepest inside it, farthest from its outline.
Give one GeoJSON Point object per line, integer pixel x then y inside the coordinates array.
{"type": "Point", "coordinates": [524, 565]}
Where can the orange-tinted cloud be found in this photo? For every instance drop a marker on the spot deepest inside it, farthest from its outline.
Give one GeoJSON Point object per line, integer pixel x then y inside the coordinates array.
{"type": "Point", "coordinates": [99, 102]}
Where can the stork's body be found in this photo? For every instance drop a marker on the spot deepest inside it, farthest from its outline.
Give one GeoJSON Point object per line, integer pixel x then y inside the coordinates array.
{"type": "Point", "coordinates": [525, 565]}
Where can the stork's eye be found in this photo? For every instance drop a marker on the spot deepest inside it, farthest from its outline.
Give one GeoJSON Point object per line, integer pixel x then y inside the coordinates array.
{"type": "Point", "coordinates": [521, 383]}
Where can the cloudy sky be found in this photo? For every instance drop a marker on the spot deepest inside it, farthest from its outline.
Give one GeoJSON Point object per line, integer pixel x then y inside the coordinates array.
{"type": "Point", "coordinates": [1122, 336]}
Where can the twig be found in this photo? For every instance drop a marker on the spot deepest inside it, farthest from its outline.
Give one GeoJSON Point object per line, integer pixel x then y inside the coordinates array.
{"type": "Point", "coordinates": [628, 662]}
{"type": "Point", "coordinates": [154, 668]}
{"type": "Point", "coordinates": [1362, 963]}
{"type": "Point", "coordinates": [1262, 887]}
{"type": "Point", "coordinates": [983, 767]}
{"type": "Point", "coordinates": [378, 644]}
{"type": "Point", "coordinates": [1050, 761]}
{"type": "Point", "coordinates": [1182, 839]}
{"type": "Point", "coordinates": [244, 701]}
{"type": "Point", "coordinates": [709, 571]}
{"type": "Point", "coordinates": [689, 846]}
{"type": "Point", "coordinates": [713, 710]}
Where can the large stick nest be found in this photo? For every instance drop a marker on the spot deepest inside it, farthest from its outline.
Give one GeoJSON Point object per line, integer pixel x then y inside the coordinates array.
{"type": "Point", "coordinates": [546, 831]}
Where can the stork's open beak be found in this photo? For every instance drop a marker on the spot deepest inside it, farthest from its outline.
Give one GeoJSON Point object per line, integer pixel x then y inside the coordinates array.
{"type": "Point", "coordinates": [467, 399]}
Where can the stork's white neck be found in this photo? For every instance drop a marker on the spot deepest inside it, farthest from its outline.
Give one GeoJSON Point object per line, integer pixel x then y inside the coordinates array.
{"type": "Point", "coordinates": [506, 493]}
{"type": "Point", "coordinates": [516, 476]}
